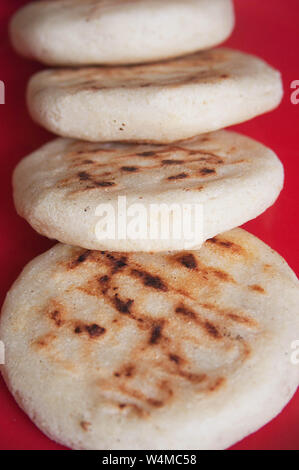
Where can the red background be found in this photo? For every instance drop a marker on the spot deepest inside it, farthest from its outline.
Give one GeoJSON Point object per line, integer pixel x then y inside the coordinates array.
{"type": "Point", "coordinates": [268, 28]}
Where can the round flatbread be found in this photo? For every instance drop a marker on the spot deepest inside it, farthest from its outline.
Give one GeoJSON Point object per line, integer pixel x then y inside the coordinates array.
{"type": "Point", "coordinates": [186, 350]}
{"type": "Point", "coordinates": [74, 191]}
{"type": "Point", "coordinates": [162, 102]}
{"type": "Point", "coordinates": [76, 32]}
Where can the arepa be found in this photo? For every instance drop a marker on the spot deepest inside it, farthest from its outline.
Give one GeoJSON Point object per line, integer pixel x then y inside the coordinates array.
{"type": "Point", "coordinates": [186, 350]}
{"type": "Point", "coordinates": [60, 188]}
{"type": "Point", "coordinates": [161, 102]}
{"type": "Point", "coordinates": [76, 32]}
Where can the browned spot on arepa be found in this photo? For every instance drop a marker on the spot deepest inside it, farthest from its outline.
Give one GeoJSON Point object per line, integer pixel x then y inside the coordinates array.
{"type": "Point", "coordinates": [163, 313]}
{"type": "Point", "coordinates": [257, 288]}
{"type": "Point", "coordinates": [98, 167]}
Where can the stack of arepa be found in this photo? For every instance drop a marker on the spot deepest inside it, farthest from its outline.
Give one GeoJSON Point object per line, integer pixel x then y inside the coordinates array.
{"type": "Point", "coordinates": [131, 342]}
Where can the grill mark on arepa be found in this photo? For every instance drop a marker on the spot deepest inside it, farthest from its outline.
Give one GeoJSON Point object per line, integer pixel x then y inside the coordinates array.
{"type": "Point", "coordinates": [131, 392]}
{"type": "Point", "coordinates": [146, 154]}
{"type": "Point", "coordinates": [156, 333]}
{"type": "Point", "coordinates": [137, 410]}
{"type": "Point", "coordinates": [80, 259]}
{"type": "Point", "coordinates": [125, 307]}
{"type": "Point", "coordinates": [164, 336]}
{"type": "Point", "coordinates": [55, 315]}
{"type": "Point", "coordinates": [230, 314]}
{"type": "Point", "coordinates": [45, 345]}
{"type": "Point", "coordinates": [103, 184]}
{"type": "Point", "coordinates": [208, 326]}
{"type": "Point", "coordinates": [58, 315]}
{"type": "Point", "coordinates": [175, 358]}
{"type": "Point", "coordinates": [226, 245]}
{"type": "Point", "coordinates": [189, 71]}
{"type": "Point", "coordinates": [119, 262]}
{"type": "Point", "coordinates": [107, 173]}
{"type": "Point", "coordinates": [92, 181]}
{"type": "Point", "coordinates": [207, 171]}
{"type": "Point", "coordinates": [257, 288]}
{"type": "Point", "coordinates": [146, 404]}
{"type": "Point", "coordinates": [189, 261]}
{"type": "Point", "coordinates": [44, 341]}
{"type": "Point", "coordinates": [217, 384]}
{"type": "Point", "coordinates": [122, 306]}
{"type": "Point", "coordinates": [127, 370]}
{"type": "Point", "coordinates": [83, 176]}
{"type": "Point", "coordinates": [172, 162]}
{"type": "Point", "coordinates": [180, 176]}
{"type": "Point", "coordinates": [93, 330]}
{"type": "Point", "coordinates": [149, 280]}
{"type": "Point", "coordinates": [130, 169]}
{"type": "Point", "coordinates": [85, 425]}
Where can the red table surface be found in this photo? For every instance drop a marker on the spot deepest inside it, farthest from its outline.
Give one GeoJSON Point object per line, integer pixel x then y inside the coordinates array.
{"type": "Point", "coordinates": [269, 29]}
